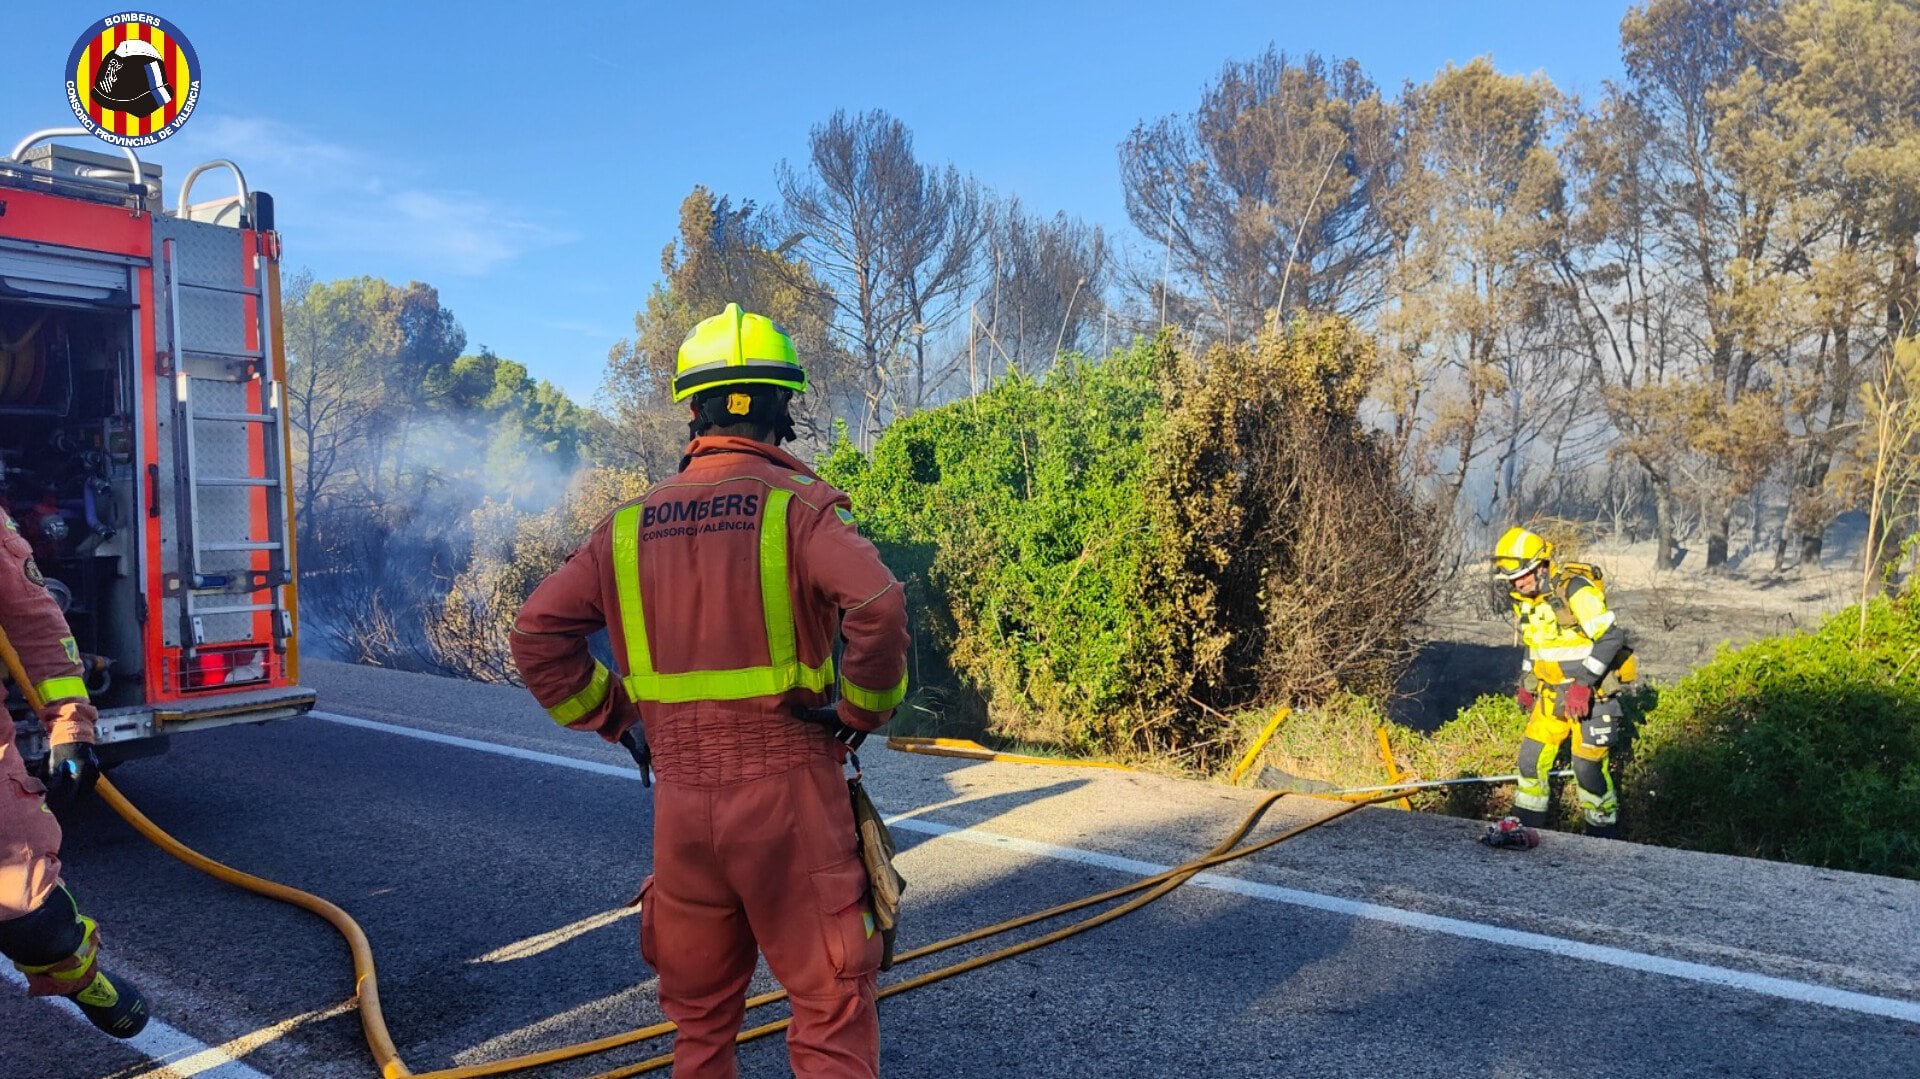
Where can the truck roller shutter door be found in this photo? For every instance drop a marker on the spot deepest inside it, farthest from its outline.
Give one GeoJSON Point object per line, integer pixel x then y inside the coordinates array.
{"type": "Point", "coordinates": [57, 277]}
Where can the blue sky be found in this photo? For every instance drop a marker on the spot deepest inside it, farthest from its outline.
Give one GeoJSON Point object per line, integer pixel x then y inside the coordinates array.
{"type": "Point", "coordinates": [529, 159]}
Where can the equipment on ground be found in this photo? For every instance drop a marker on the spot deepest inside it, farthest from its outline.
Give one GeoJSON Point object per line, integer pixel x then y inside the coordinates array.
{"type": "Point", "coordinates": [144, 439]}
{"type": "Point", "coordinates": [1508, 832]}
{"type": "Point", "coordinates": [380, 1042]}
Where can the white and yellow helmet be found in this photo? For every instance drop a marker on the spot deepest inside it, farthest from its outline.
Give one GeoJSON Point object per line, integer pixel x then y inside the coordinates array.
{"type": "Point", "coordinates": [1519, 553]}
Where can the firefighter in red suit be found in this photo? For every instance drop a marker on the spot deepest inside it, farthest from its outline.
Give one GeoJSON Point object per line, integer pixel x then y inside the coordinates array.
{"type": "Point", "coordinates": [41, 929]}
{"type": "Point", "coordinates": [722, 590]}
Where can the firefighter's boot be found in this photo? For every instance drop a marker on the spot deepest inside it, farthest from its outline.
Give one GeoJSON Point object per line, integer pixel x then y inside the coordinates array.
{"type": "Point", "coordinates": [113, 1004]}
{"type": "Point", "coordinates": [58, 949]}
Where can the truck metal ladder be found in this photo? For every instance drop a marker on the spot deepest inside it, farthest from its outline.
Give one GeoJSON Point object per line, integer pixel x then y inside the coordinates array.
{"type": "Point", "coordinates": [203, 589]}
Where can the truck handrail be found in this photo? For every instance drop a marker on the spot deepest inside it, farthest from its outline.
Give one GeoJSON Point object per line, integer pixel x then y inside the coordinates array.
{"type": "Point", "coordinates": [240, 180]}
{"type": "Point", "coordinates": [44, 134]}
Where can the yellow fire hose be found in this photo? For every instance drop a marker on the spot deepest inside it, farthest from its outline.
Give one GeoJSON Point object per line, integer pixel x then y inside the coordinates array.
{"type": "Point", "coordinates": [366, 988]}
{"type": "Point", "coordinates": [966, 749]}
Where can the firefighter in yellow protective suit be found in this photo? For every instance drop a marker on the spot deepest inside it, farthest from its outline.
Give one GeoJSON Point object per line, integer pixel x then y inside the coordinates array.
{"type": "Point", "coordinates": [1573, 645]}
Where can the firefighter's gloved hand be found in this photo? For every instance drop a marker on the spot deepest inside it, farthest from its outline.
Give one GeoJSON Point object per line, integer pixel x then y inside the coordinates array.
{"type": "Point", "coordinates": [1578, 701]}
{"type": "Point", "coordinates": [72, 769]}
{"type": "Point", "coordinates": [641, 753]}
{"type": "Point", "coordinates": [849, 738]}
{"type": "Point", "coordinates": [1523, 697]}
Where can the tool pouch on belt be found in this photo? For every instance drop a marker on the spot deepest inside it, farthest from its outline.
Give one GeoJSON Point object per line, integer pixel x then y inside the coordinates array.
{"type": "Point", "coordinates": [1602, 726]}
{"type": "Point", "coordinates": [876, 853]}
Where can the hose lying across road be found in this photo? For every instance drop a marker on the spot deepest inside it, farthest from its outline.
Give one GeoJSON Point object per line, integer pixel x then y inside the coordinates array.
{"type": "Point", "coordinates": [381, 1043]}
{"type": "Point", "coordinates": [366, 983]}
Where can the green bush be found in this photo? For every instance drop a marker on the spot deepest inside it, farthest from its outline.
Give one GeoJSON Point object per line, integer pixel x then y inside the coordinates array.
{"type": "Point", "coordinates": [1482, 740]}
{"type": "Point", "coordinates": [1116, 557]}
{"type": "Point", "coordinates": [1804, 748]}
{"type": "Point", "coordinates": [1014, 520]}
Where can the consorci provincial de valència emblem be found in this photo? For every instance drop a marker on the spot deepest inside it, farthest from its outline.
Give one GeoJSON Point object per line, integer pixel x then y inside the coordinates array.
{"type": "Point", "coordinates": [132, 78]}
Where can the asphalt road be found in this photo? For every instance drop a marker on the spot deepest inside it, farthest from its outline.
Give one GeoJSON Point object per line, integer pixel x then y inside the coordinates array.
{"type": "Point", "coordinates": [1383, 944]}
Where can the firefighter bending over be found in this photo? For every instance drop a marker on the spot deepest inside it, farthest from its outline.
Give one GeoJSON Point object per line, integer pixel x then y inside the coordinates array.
{"type": "Point", "coordinates": [1573, 644]}
{"type": "Point", "coordinates": [722, 589]}
{"type": "Point", "coordinates": [41, 929]}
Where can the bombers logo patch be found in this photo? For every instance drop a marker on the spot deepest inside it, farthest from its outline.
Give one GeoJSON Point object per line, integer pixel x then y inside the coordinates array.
{"type": "Point", "coordinates": [132, 79]}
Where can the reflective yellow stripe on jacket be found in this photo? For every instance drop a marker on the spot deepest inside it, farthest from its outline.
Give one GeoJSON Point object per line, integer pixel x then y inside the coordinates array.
{"type": "Point", "coordinates": [875, 700]}
{"type": "Point", "coordinates": [585, 701]}
{"type": "Point", "coordinates": [784, 670]}
{"type": "Point", "coordinates": [61, 689]}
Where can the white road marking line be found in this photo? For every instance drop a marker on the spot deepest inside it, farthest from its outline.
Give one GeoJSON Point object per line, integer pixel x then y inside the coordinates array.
{"type": "Point", "coordinates": [596, 767]}
{"type": "Point", "coordinates": [546, 942]}
{"type": "Point", "coordinates": [1760, 984]}
{"type": "Point", "coordinates": [178, 1053]}
{"type": "Point", "coordinates": [1765, 985]}
{"type": "Point", "coordinates": [248, 1042]}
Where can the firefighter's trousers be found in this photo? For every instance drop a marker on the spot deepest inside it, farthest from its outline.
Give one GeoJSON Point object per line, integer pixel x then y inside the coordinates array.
{"type": "Point", "coordinates": [770, 862]}
{"type": "Point", "coordinates": [1547, 728]}
{"type": "Point", "coordinates": [40, 929]}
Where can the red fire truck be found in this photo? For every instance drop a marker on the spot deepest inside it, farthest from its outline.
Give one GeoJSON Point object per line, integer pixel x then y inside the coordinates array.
{"type": "Point", "coordinates": [143, 437]}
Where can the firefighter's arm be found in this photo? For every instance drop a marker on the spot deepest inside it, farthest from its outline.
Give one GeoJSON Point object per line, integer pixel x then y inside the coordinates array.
{"type": "Point", "coordinates": [1589, 606]}
{"type": "Point", "coordinates": [847, 571]}
{"type": "Point", "coordinates": [33, 624]}
{"type": "Point", "coordinates": [549, 642]}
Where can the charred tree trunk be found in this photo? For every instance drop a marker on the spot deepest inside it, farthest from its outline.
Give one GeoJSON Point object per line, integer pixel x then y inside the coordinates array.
{"type": "Point", "coordinates": [1721, 524]}
{"type": "Point", "coordinates": [1663, 522]}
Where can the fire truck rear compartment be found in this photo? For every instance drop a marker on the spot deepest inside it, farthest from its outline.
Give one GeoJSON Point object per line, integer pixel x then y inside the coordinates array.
{"type": "Point", "coordinates": [142, 437]}
{"type": "Point", "coordinates": [68, 476]}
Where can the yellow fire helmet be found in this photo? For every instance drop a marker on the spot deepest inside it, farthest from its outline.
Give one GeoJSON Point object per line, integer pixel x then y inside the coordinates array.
{"type": "Point", "coordinates": [735, 348]}
{"type": "Point", "coordinates": [1519, 553]}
